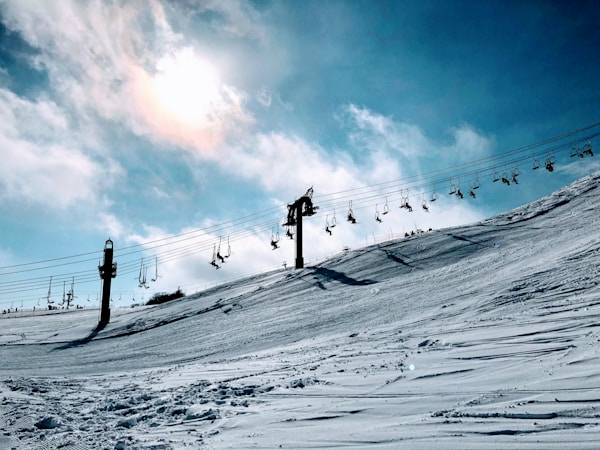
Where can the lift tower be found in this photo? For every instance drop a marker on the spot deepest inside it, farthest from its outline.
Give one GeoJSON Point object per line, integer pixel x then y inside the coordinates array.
{"type": "Point", "coordinates": [108, 271]}
{"type": "Point", "coordinates": [301, 207]}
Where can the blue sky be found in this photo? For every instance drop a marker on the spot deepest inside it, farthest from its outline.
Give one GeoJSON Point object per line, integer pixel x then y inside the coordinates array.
{"type": "Point", "coordinates": [168, 126]}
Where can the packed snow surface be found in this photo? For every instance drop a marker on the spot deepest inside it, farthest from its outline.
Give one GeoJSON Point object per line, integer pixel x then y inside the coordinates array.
{"type": "Point", "coordinates": [480, 336]}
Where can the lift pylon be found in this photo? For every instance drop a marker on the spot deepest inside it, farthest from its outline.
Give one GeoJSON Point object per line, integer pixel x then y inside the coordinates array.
{"type": "Point", "coordinates": [107, 271]}
{"type": "Point", "coordinates": [301, 207]}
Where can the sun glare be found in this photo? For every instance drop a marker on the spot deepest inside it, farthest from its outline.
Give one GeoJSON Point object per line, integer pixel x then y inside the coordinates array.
{"type": "Point", "coordinates": [186, 86]}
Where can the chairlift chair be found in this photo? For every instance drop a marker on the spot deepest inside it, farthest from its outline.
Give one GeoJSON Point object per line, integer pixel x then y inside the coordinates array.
{"type": "Point", "coordinates": [549, 164]}
{"type": "Point", "coordinates": [377, 215]}
{"type": "Point", "coordinates": [505, 179]}
{"type": "Point", "coordinates": [140, 278]}
{"type": "Point", "coordinates": [274, 239]}
{"type": "Point", "coordinates": [386, 208]}
{"type": "Point", "coordinates": [350, 216]}
{"type": "Point", "coordinates": [327, 225]}
{"type": "Point", "coordinates": [404, 202]}
{"type": "Point", "coordinates": [457, 190]}
{"type": "Point", "coordinates": [576, 152]}
{"type": "Point", "coordinates": [228, 248]}
{"type": "Point", "coordinates": [496, 176]}
{"type": "Point", "coordinates": [536, 163]}
{"type": "Point", "coordinates": [587, 149]}
{"type": "Point", "coordinates": [145, 284]}
{"type": "Point", "coordinates": [288, 232]}
{"type": "Point", "coordinates": [515, 174]}
{"type": "Point", "coordinates": [213, 262]}
{"type": "Point", "coordinates": [155, 270]}
{"type": "Point", "coordinates": [433, 196]}
{"type": "Point", "coordinates": [452, 188]}
{"type": "Point", "coordinates": [221, 257]}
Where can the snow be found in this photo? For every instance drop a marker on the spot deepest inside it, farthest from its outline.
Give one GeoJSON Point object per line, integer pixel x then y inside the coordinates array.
{"type": "Point", "coordinates": [481, 336]}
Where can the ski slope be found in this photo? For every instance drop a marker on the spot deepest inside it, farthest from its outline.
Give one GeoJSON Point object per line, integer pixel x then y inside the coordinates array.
{"type": "Point", "coordinates": [481, 336]}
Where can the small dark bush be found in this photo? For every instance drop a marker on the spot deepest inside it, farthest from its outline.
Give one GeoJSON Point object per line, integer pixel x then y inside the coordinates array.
{"type": "Point", "coordinates": [163, 297]}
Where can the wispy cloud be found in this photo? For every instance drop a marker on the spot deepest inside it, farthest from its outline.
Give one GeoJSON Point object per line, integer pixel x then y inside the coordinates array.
{"type": "Point", "coordinates": [125, 64]}
{"type": "Point", "coordinates": [374, 132]}
{"type": "Point", "coordinates": [469, 144]}
{"type": "Point", "coordinates": [41, 165]}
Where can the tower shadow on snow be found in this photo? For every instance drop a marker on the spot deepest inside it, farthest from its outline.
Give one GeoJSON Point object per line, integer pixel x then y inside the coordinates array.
{"type": "Point", "coordinates": [85, 340]}
{"type": "Point", "coordinates": [333, 275]}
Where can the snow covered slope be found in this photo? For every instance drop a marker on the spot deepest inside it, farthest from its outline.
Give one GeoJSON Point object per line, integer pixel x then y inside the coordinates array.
{"type": "Point", "coordinates": [481, 336]}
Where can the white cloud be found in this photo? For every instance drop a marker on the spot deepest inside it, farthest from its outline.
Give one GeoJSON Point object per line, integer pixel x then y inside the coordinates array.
{"type": "Point", "coordinates": [118, 61]}
{"type": "Point", "coordinates": [235, 18]}
{"type": "Point", "coordinates": [374, 132]}
{"type": "Point", "coordinates": [39, 163]}
{"type": "Point", "coordinates": [468, 144]}
{"type": "Point", "coordinates": [264, 98]}
{"type": "Point", "coordinates": [285, 164]}
{"type": "Point", "coordinates": [110, 224]}
{"type": "Point", "coordinates": [579, 167]}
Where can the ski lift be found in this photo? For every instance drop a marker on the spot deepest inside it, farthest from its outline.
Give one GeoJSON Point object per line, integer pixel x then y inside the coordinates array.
{"type": "Point", "coordinates": [64, 293]}
{"type": "Point", "coordinates": [377, 216]}
{"type": "Point", "coordinates": [288, 232]}
{"type": "Point", "coordinates": [576, 152]}
{"type": "Point", "coordinates": [221, 257]}
{"type": "Point", "coordinates": [452, 188]}
{"type": "Point", "coordinates": [327, 225]}
{"type": "Point", "coordinates": [433, 195]}
{"type": "Point", "coordinates": [142, 274]}
{"type": "Point", "coordinates": [228, 248]}
{"type": "Point", "coordinates": [49, 292]}
{"type": "Point", "coordinates": [71, 293]}
{"type": "Point", "coordinates": [213, 262]}
{"type": "Point", "coordinates": [351, 217]}
{"type": "Point", "coordinates": [475, 184]}
{"type": "Point", "coordinates": [333, 220]}
{"type": "Point", "coordinates": [536, 163]}
{"type": "Point", "coordinates": [459, 193]}
{"type": "Point", "coordinates": [549, 163]}
{"type": "Point", "coordinates": [144, 282]}
{"type": "Point", "coordinates": [386, 208]}
{"type": "Point", "coordinates": [587, 149]}
{"type": "Point", "coordinates": [404, 201]}
{"type": "Point", "coordinates": [274, 239]}
{"type": "Point", "coordinates": [505, 179]}
{"type": "Point", "coordinates": [155, 269]}
{"type": "Point", "coordinates": [496, 176]}
{"type": "Point", "coordinates": [424, 204]}
{"type": "Point", "coordinates": [514, 175]}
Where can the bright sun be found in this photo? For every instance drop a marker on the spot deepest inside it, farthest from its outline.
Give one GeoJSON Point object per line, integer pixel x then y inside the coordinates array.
{"type": "Point", "coordinates": [187, 86]}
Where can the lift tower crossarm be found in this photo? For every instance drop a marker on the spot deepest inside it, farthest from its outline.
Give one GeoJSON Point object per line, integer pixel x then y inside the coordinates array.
{"type": "Point", "coordinates": [301, 207]}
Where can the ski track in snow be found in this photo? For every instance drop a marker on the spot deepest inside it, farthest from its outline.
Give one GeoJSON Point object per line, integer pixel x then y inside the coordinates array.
{"type": "Point", "coordinates": [481, 336]}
